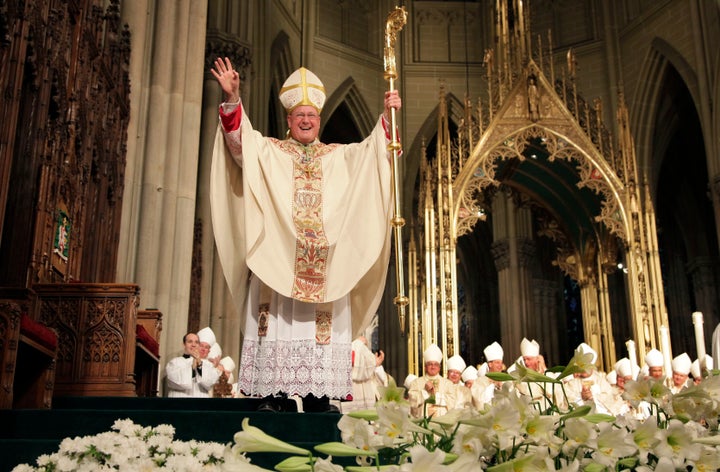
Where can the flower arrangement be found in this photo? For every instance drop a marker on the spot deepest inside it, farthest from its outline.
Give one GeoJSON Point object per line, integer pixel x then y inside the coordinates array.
{"type": "Point", "coordinates": [130, 447]}
{"type": "Point", "coordinates": [514, 433]}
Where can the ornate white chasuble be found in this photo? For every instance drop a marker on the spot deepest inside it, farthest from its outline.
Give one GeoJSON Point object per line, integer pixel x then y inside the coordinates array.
{"type": "Point", "coordinates": [309, 224]}
{"type": "Point", "coordinates": [311, 243]}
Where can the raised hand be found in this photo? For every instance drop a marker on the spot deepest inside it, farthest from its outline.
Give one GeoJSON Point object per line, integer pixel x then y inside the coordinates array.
{"type": "Point", "coordinates": [228, 78]}
{"type": "Point", "coordinates": [392, 100]}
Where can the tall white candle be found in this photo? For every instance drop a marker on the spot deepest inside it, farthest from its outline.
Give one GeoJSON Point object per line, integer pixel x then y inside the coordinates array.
{"type": "Point", "coordinates": [697, 319]}
{"type": "Point", "coordinates": [665, 347]}
{"type": "Point", "coordinates": [632, 353]}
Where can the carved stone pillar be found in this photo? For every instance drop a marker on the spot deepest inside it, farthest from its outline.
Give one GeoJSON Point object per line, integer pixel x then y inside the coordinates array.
{"type": "Point", "coordinates": [513, 250]}
{"type": "Point", "coordinates": [166, 70]}
{"type": "Point", "coordinates": [217, 309]}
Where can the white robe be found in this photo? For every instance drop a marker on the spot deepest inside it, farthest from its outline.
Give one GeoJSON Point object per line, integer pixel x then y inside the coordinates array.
{"type": "Point", "coordinates": [255, 199]}
{"type": "Point", "coordinates": [367, 378]}
{"type": "Point", "coordinates": [445, 392]}
{"type": "Point", "coordinates": [181, 382]}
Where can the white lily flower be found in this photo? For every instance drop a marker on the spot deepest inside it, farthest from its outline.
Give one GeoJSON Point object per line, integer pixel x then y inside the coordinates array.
{"type": "Point", "coordinates": [326, 465]}
{"type": "Point", "coordinates": [677, 442]}
{"type": "Point", "coordinates": [425, 461]}
{"type": "Point", "coordinates": [540, 429]}
{"type": "Point", "coordinates": [580, 435]}
{"type": "Point", "coordinates": [565, 465]}
{"type": "Point", "coordinates": [709, 460]}
{"type": "Point", "coordinates": [664, 464]}
{"type": "Point", "coordinates": [359, 433]}
{"type": "Point", "coordinates": [394, 422]}
{"type": "Point", "coordinates": [504, 425]}
{"type": "Point", "coordinates": [612, 444]}
{"type": "Point", "coordinates": [467, 462]}
{"type": "Point", "coordinates": [646, 437]}
{"type": "Point", "coordinates": [636, 392]}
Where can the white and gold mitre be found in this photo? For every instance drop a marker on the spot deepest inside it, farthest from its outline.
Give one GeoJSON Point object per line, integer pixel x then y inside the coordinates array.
{"type": "Point", "coordinates": [302, 88]}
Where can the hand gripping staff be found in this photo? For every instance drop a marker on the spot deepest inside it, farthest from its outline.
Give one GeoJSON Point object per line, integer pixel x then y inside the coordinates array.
{"type": "Point", "coordinates": [395, 21]}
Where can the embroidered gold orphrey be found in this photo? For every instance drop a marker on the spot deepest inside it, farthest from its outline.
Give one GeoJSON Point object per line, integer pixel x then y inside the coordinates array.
{"type": "Point", "coordinates": [311, 244]}
{"type": "Point", "coordinates": [323, 325]}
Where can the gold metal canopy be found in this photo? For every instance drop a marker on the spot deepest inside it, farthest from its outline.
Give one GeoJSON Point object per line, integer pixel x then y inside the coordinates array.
{"type": "Point", "coordinates": [534, 132]}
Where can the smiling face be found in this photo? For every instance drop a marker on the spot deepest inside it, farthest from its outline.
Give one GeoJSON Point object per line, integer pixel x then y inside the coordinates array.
{"type": "Point", "coordinates": [495, 365]}
{"type": "Point", "coordinates": [454, 375]}
{"type": "Point", "coordinates": [655, 372]}
{"type": "Point", "coordinates": [204, 350]}
{"type": "Point", "coordinates": [191, 344]}
{"type": "Point", "coordinates": [679, 379]}
{"type": "Point", "coordinates": [531, 362]}
{"type": "Point", "coordinates": [304, 124]}
{"type": "Point", "coordinates": [432, 368]}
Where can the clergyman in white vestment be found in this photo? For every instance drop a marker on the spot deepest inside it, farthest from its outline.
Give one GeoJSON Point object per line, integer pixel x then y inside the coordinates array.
{"type": "Point", "coordinates": [303, 233]}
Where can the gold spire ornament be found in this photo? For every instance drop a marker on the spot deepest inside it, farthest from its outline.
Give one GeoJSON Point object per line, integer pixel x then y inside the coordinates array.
{"type": "Point", "coordinates": [395, 22]}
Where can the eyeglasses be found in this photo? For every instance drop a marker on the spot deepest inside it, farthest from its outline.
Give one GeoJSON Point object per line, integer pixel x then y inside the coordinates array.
{"type": "Point", "coordinates": [309, 116]}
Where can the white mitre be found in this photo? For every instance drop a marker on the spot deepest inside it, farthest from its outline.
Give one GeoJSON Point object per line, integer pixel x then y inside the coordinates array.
{"type": "Point", "coordinates": [681, 364]}
{"type": "Point", "coordinates": [695, 367]}
{"type": "Point", "coordinates": [215, 351]}
{"type": "Point", "coordinates": [302, 88]}
{"type": "Point", "coordinates": [470, 373]}
{"type": "Point", "coordinates": [206, 335]}
{"type": "Point", "coordinates": [493, 352]}
{"type": "Point", "coordinates": [654, 358]}
{"type": "Point", "coordinates": [624, 368]}
{"type": "Point", "coordinates": [432, 354]}
{"type": "Point", "coordinates": [456, 363]}
{"type": "Point", "coordinates": [529, 348]}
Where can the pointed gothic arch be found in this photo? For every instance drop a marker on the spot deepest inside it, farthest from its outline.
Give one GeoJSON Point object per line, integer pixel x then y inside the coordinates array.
{"type": "Point", "coordinates": [348, 101]}
{"type": "Point", "coordinates": [593, 197]}
{"type": "Point", "coordinates": [668, 100]}
{"type": "Point", "coordinates": [660, 57]}
{"type": "Point", "coordinates": [281, 67]}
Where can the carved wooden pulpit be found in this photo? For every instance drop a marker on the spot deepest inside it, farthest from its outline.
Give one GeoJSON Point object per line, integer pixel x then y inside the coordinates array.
{"type": "Point", "coordinates": [96, 328]}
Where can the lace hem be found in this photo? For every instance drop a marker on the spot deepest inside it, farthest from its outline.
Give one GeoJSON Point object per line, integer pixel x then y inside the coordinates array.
{"type": "Point", "coordinates": [296, 368]}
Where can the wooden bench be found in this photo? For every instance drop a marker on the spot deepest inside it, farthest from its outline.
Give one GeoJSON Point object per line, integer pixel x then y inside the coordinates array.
{"type": "Point", "coordinates": [107, 348]}
{"type": "Point", "coordinates": [147, 352]}
{"type": "Point", "coordinates": [28, 351]}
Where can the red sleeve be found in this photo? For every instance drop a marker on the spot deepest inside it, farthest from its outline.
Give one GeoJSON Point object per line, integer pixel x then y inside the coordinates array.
{"type": "Point", "coordinates": [231, 120]}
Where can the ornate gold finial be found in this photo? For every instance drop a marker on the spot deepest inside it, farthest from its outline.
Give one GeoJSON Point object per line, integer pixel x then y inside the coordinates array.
{"type": "Point", "coordinates": [395, 22]}
{"type": "Point", "coordinates": [571, 64]}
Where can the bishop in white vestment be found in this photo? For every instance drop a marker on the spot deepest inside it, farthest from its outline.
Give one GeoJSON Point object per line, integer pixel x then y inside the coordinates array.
{"type": "Point", "coordinates": [303, 234]}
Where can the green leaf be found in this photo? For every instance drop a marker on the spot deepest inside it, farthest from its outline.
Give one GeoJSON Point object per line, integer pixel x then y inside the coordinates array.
{"type": "Point", "coordinates": [450, 458]}
{"type": "Point", "coordinates": [369, 415]}
{"type": "Point", "coordinates": [499, 376]}
{"type": "Point", "coordinates": [600, 418]}
{"type": "Point", "coordinates": [295, 464]}
{"type": "Point", "coordinates": [628, 462]}
{"type": "Point", "coordinates": [369, 468]}
{"type": "Point", "coordinates": [577, 412]}
{"type": "Point", "coordinates": [594, 467]}
{"type": "Point", "coordinates": [342, 450]}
